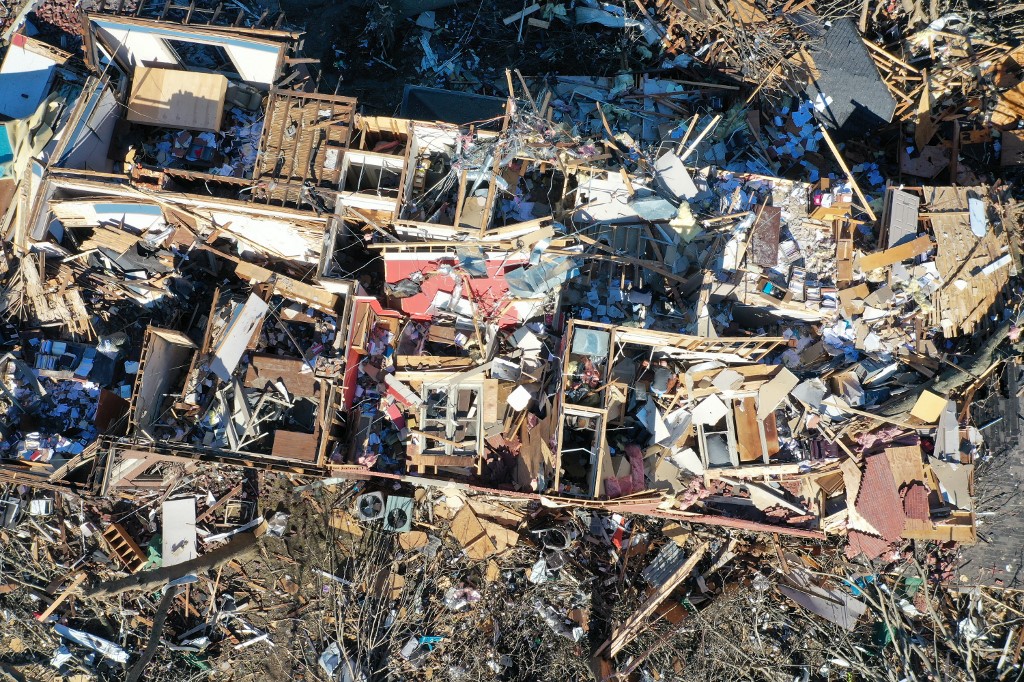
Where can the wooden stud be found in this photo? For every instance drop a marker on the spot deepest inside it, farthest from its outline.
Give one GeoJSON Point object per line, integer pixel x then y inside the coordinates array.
{"type": "Point", "coordinates": [78, 580]}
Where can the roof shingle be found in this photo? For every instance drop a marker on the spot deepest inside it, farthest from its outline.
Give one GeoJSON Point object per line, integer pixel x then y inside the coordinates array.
{"type": "Point", "coordinates": [878, 500]}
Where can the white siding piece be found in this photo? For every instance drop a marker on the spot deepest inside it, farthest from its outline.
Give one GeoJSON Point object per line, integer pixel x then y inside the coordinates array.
{"type": "Point", "coordinates": [236, 337]}
{"type": "Point", "coordinates": [25, 78]}
{"type": "Point", "coordinates": [179, 531]}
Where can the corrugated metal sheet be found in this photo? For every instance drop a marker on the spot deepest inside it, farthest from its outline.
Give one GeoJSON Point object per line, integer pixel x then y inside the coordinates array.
{"type": "Point", "coordinates": [664, 565]}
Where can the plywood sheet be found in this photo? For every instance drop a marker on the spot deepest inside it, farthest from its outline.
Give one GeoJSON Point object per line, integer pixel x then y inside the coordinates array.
{"type": "Point", "coordinates": [1012, 152]}
{"type": "Point", "coordinates": [932, 161]}
{"type": "Point", "coordinates": [1009, 107]}
{"type": "Point", "coordinates": [265, 368]}
{"type": "Point", "coordinates": [929, 407]}
{"type": "Point", "coordinates": [468, 530]}
{"type": "Point", "coordinates": [295, 445]}
{"type": "Point", "coordinates": [771, 394]}
{"type": "Point", "coordinates": [490, 398]}
{"type": "Point", "coordinates": [748, 435]}
{"type": "Point", "coordinates": [177, 99]}
{"type": "Point", "coordinates": [849, 298]}
{"type": "Point", "coordinates": [967, 294]}
{"type": "Point", "coordinates": [896, 254]}
{"type": "Point", "coordinates": [771, 435]}
{"type": "Point", "coordinates": [906, 463]}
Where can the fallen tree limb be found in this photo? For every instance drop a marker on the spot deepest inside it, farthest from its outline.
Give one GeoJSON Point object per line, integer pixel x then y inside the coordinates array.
{"type": "Point", "coordinates": [151, 580]}
{"type": "Point", "coordinates": [135, 674]}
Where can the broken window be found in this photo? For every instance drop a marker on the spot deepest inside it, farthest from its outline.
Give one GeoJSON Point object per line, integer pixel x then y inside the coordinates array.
{"type": "Point", "coordinates": [200, 55]}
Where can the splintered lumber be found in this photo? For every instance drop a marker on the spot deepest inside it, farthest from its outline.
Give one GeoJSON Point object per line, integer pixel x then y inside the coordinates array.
{"type": "Point", "coordinates": [612, 256]}
{"type": "Point", "coordinates": [78, 580]}
{"type": "Point", "coordinates": [700, 138]}
{"type": "Point", "coordinates": [227, 497]}
{"type": "Point", "coordinates": [889, 57]}
{"type": "Point", "coordinates": [849, 176]}
{"type": "Point", "coordinates": [519, 15]}
{"type": "Point", "coordinates": [625, 633]}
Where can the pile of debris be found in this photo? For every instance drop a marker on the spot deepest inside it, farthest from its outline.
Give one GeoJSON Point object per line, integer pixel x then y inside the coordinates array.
{"type": "Point", "coordinates": [678, 372]}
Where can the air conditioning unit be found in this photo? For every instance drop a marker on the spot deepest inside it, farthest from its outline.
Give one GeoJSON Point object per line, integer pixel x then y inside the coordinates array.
{"type": "Point", "coordinates": [398, 514]}
{"type": "Point", "coordinates": [370, 506]}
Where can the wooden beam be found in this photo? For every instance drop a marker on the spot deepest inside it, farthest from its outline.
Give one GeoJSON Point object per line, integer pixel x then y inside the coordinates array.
{"type": "Point", "coordinates": [885, 55]}
{"type": "Point", "coordinates": [243, 543]}
{"type": "Point", "coordinates": [219, 503]}
{"type": "Point", "coordinates": [78, 580]}
{"type": "Point", "coordinates": [629, 260]}
{"type": "Point", "coordinates": [843, 407]}
{"type": "Point", "coordinates": [519, 15]}
{"type": "Point", "coordinates": [849, 175]}
{"type": "Point", "coordinates": [440, 439]}
{"type": "Point", "coordinates": [700, 138]}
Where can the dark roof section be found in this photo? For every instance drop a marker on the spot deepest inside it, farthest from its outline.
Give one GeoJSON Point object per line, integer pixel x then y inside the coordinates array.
{"type": "Point", "coordinates": [460, 108]}
{"type": "Point", "coordinates": [847, 74]}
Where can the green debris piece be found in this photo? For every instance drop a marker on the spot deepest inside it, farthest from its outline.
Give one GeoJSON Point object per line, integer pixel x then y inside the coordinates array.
{"type": "Point", "coordinates": [910, 586]}
{"type": "Point", "coordinates": [881, 635]}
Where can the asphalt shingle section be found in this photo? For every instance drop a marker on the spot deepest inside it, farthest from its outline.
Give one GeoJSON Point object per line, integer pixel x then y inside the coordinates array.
{"type": "Point", "coordinates": [860, 100]}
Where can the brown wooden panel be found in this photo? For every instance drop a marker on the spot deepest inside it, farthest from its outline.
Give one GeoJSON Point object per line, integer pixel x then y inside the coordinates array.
{"type": "Point", "coordinates": [294, 445]}
{"type": "Point", "coordinates": [748, 436]}
{"type": "Point", "coordinates": [266, 368]}
{"type": "Point", "coordinates": [771, 435]}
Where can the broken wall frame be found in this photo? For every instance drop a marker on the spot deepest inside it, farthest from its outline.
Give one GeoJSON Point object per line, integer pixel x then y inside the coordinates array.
{"type": "Point", "coordinates": [371, 184]}
{"type": "Point", "coordinates": [82, 132]}
{"type": "Point", "coordinates": [456, 437]}
{"type": "Point", "coordinates": [729, 350]}
{"type": "Point", "coordinates": [296, 445]}
{"type": "Point", "coordinates": [126, 463]}
{"type": "Point", "coordinates": [252, 226]}
{"type": "Point", "coordinates": [164, 351]}
{"type": "Point", "coordinates": [598, 450]}
{"type": "Point", "coordinates": [441, 138]}
{"type": "Point", "coordinates": [305, 135]}
{"type": "Point", "coordinates": [211, 13]}
{"type": "Point", "coordinates": [258, 56]}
